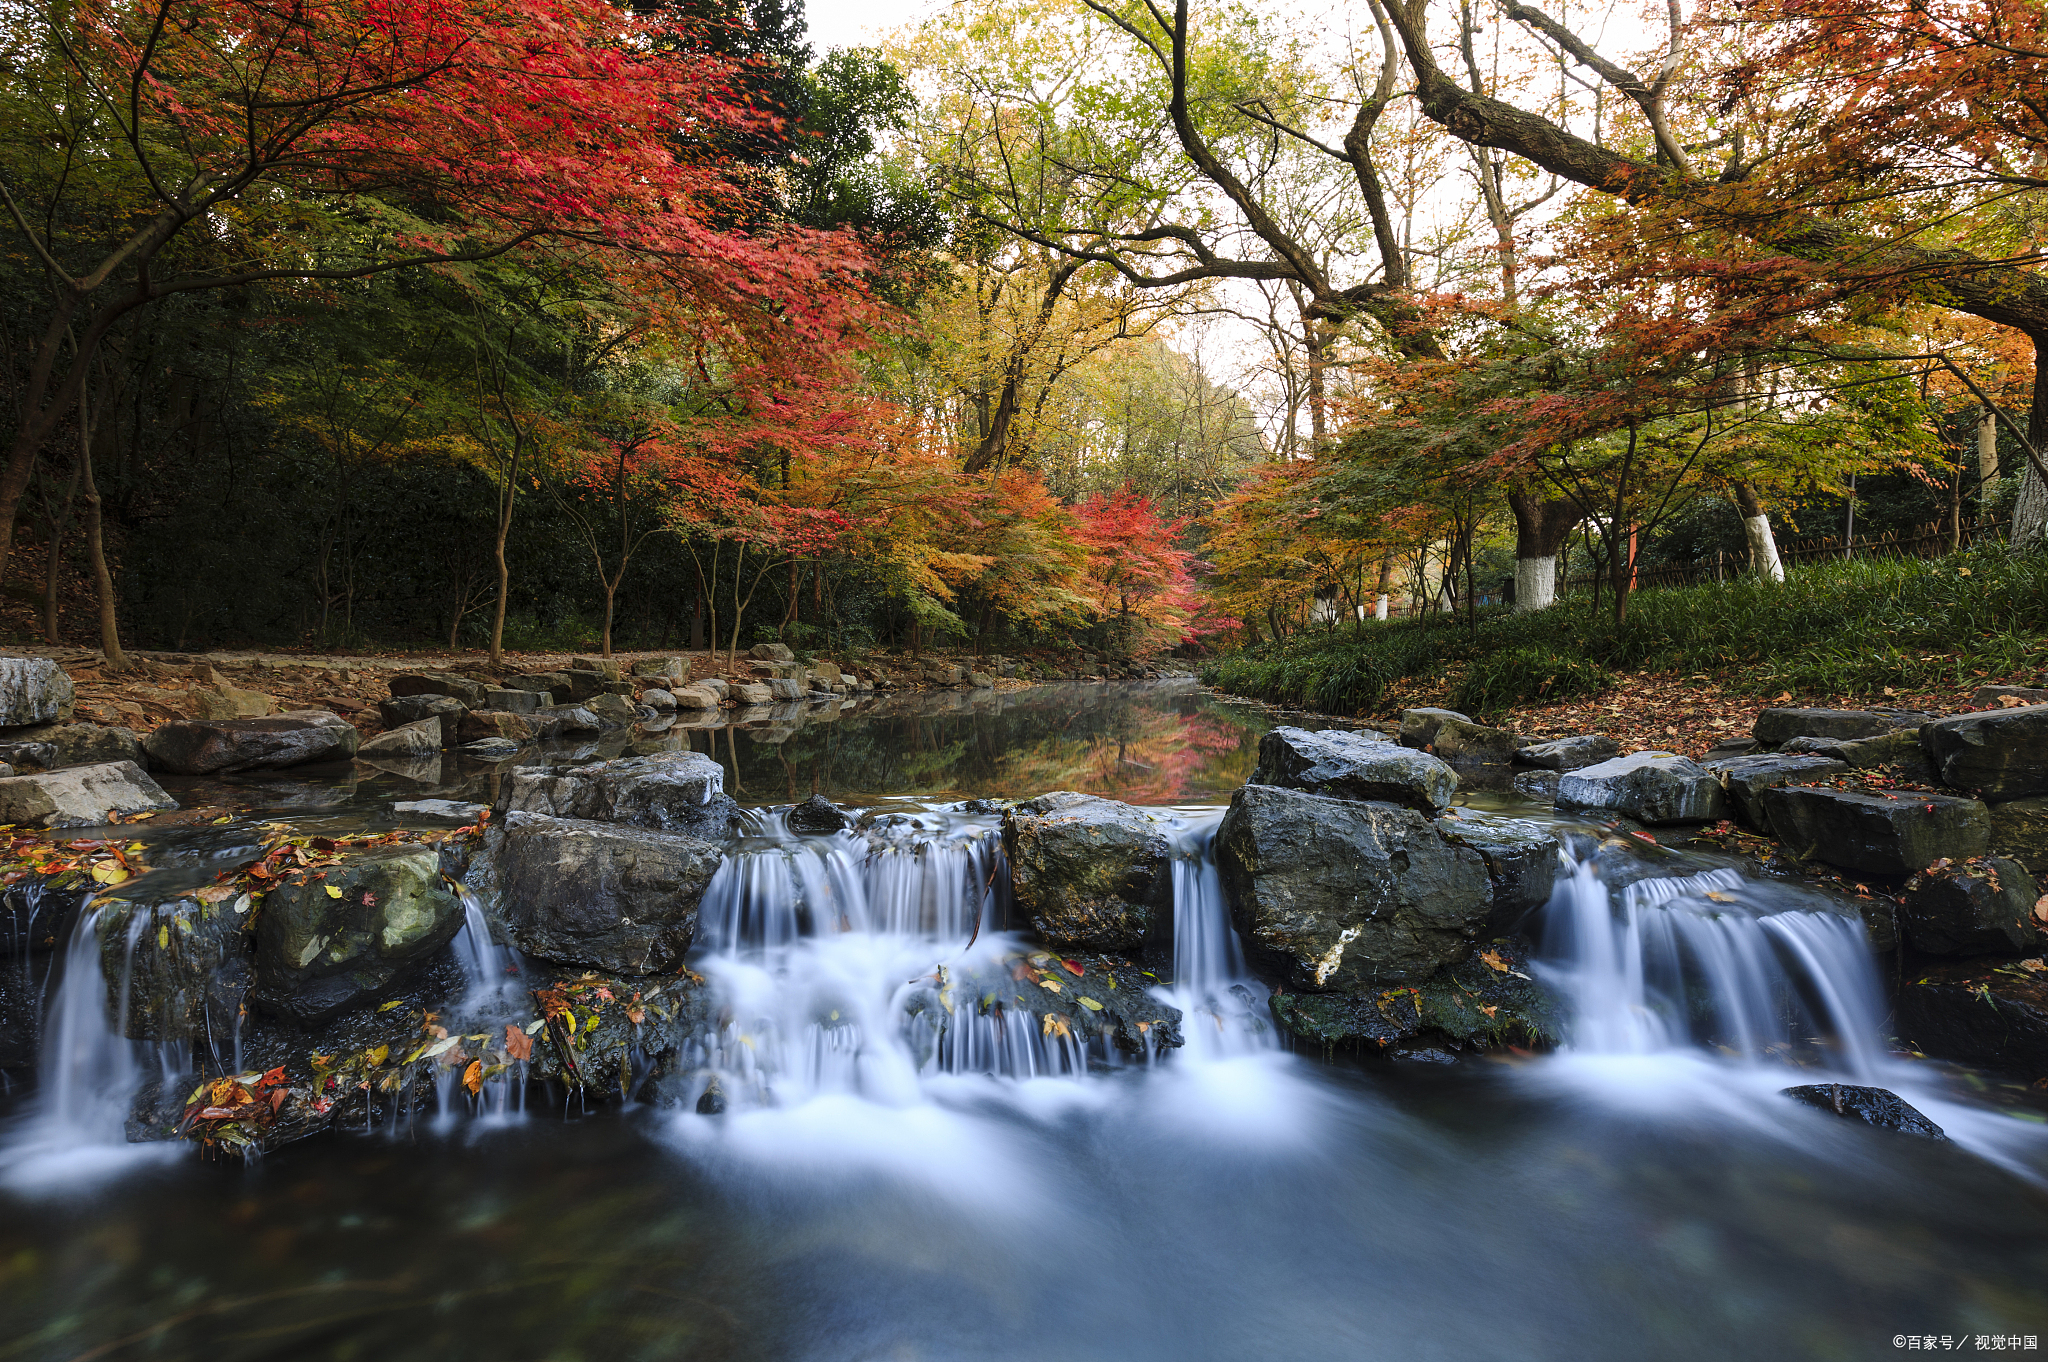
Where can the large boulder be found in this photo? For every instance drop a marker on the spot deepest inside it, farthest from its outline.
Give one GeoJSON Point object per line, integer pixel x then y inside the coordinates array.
{"type": "Point", "coordinates": [671, 791]}
{"type": "Point", "coordinates": [175, 969]}
{"type": "Point", "coordinates": [696, 696]}
{"type": "Point", "coordinates": [555, 685]}
{"type": "Point", "coordinates": [1568, 754]}
{"type": "Point", "coordinates": [1651, 787]}
{"type": "Point", "coordinates": [518, 701]}
{"type": "Point", "coordinates": [613, 711]}
{"type": "Point", "coordinates": [1489, 1000]}
{"type": "Point", "coordinates": [1088, 872]}
{"type": "Point", "coordinates": [595, 894]}
{"type": "Point", "coordinates": [2019, 829]}
{"type": "Point", "coordinates": [1521, 861]}
{"type": "Point", "coordinates": [204, 747]}
{"type": "Point", "coordinates": [1976, 907]}
{"type": "Point", "coordinates": [753, 693]}
{"type": "Point", "coordinates": [1337, 895]}
{"type": "Point", "coordinates": [470, 693]}
{"type": "Point", "coordinates": [420, 739]}
{"type": "Point", "coordinates": [2000, 753]}
{"type": "Point", "coordinates": [771, 652]}
{"type": "Point", "coordinates": [52, 747]}
{"type": "Point", "coordinates": [1878, 834]}
{"type": "Point", "coordinates": [1345, 765]}
{"type": "Point", "coordinates": [1872, 1106]}
{"type": "Point", "coordinates": [1459, 741]}
{"type": "Point", "coordinates": [1972, 1013]}
{"type": "Point", "coordinates": [663, 668]}
{"type": "Point", "coordinates": [1419, 726]}
{"type": "Point", "coordinates": [1775, 727]}
{"type": "Point", "coordinates": [1746, 778]}
{"type": "Point", "coordinates": [80, 796]}
{"type": "Point", "coordinates": [33, 690]}
{"type": "Point", "coordinates": [338, 938]}
{"type": "Point", "coordinates": [410, 709]}
{"type": "Point", "coordinates": [482, 724]}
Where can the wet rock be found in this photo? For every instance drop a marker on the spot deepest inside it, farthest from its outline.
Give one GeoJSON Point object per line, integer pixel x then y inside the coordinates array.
{"type": "Point", "coordinates": [1521, 861]}
{"type": "Point", "coordinates": [183, 965]}
{"type": "Point", "coordinates": [470, 693]}
{"type": "Point", "coordinates": [199, 747]}
{"type": "Point", "coordinates": [816, 815]}
{"type": "Point", "coordinates": [1087, 872]}
{"type": "Point", "coordinates": [554, 685]}
{"type": "Point", "coordinates": [1424, 1057]}
{"type": "Point", "coordinates": [1109, 999]}
{"type": "Point", "coordinates": [1460, 741]}
{"type": "Point", "coordinates": [1656, 788]}
{"type": "Point", "coordinates": [1568, 754]}
{"type": "Point", "coordinates": [2019, 829]}
{"type": "Point", "coordinates": [771, 652]}
{"type": "Point", "coordinates": [597, 894]}
{"type": "Point", "coordinates": [518, 701]}
{"type": "Point", "coordinates": [457, 810]}
{"type": "Point", "coordinates": [1875, 833]}
{"type": "Point", "coordinates": [419, 739]}
{"type": "Point", "coordinates": [491, 749]}
{"type": "Point", "coordinates": [1975, 1013]}
{"type": "Point", "coordinates": [696, 696]}
{"type": "Point", "coordinates": [1872, 1106]}
{"type": "Point", "coordinates": [631, 1031]}
{"type": "Point", "coordinates": [753, 693]}
{"type": "Point", "coordinates": [2001, 753]}
{"type": "Point", "coordinates": [1775, 727]}
{"type": "Point", "coordinates": [1339, 894]}
{"type": "Point", "coordinates": [51, 747]}
{"type": "Point", "coordinates": [33, 690]}
{"type": "Point", "coordinates": [80, 796]}
{"type": "Point", "coordinates": [670, 791]}
{"type": "Point", "coordinates": [1983, 906]}
{"type": "Point", "coordinates": [410, 709]}
{"type": "Point", "coordinates": [1419, 726]}
{"type": "Point", "coordinates": [1538, 785]}
{"type": "Point", "coordinates": [1487, 1001]}
{"type": "Point", "coordinates": [1344, 765]}
{"type": "Point", "coordinates": [654, 697]}
{"type": "Point", "coordinates": [326, 945]}
{"type": "Point", "coordinates": [1746, 778]}
{"type": "Point", "coordinates": [477, 725]}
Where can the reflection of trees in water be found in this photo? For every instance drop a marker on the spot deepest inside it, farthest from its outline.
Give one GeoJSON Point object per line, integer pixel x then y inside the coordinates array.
{"type": "Point", "coordinates": [1145, 748]}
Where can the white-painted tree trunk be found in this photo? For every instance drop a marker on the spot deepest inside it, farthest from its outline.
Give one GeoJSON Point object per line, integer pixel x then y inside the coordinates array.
{"type": "Point", "coordinates": [1379, 607]}
{"type": "Point", "coordinates": [1987, 448]}
{"type": "Point", "coordinates": [1763, 548]}
{"type": "Point", "coordinates": [1535, 583]}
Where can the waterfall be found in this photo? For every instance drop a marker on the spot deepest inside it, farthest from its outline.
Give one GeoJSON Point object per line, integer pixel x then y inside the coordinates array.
{"type": "Point", "coordinates": [1711, 959]}
{"type": "Point", "coordinates": [1224, 1010]}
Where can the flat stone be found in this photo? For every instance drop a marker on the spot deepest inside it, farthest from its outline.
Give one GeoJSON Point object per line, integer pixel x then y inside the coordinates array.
{"type": "Point", "coordinates": [51, 747]}
{"type": "Point", "coordinates": [1775, 727]}
{"type": "Point", "coordinates": [1568, 754]}
{"type": "Point", "coordinates": [1872, 1106]}
{"type": "Point", "coordinates": [1088, 872]}
{"type": "Point", "coordinates": [1345, 765]}
{"type": "Point", "coordinates": [1977, 907]}
{"type": "Point", "coordinates": [403, 710]}
{"type": "Point", "coordinates": [200, 747]}
{"type": "Point", "coordinates": [555, 685]}
{"type": "Point", "coordinates": [420, 738]}
{"type": "Point", "coordinates": [670, 791]}
{"type": "Point", "coordinates": [491, 749]}
{"type": "Point", "coordinates": [319, 953]}
{"type": "Point", "coordinates": [33, 690]}
{"type": "Point", "coordinates": [1419, 726]}
{"type": "Point", "coordinates": [1655, 788]}
{"type": "Point", "coordinates": [518, 701]}
{"type": "Point", "coordinates": [471, 693]}
{"type": "Point", "coordinates": [80, 796]}
{"type": "Point", "coordinates": [606, 667]}
{"type": "Point", "coordinates": [1746, 778]}
{"type": "Point", "coordinates": [1877, 834]}
{"type": "Point", "coordinates": [2001, 754]}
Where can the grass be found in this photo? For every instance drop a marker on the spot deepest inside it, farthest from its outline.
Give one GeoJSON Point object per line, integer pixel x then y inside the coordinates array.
{"type": "Point", "coordinates": [1833, 629]}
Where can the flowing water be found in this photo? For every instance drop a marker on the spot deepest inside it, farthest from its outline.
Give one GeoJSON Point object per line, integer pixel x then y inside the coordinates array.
{"type": "Point", "coordinates": [877, 1182]}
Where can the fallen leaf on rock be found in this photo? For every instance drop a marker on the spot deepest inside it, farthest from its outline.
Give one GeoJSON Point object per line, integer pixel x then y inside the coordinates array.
{"type": "Point", "coordinates": [473, 1076]}
{"type": "Point", "coordinates": [518, 1045]}
{"type": "Point", "coordinates": [1494, 962]}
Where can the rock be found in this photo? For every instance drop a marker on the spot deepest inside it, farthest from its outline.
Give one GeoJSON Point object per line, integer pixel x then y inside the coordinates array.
{"type": "Point", "coordinates": [470, 693]}
{"type": "Point", "coordinates": [226, 702]}
{"type": "Point", "coordinates": [584, 683]}
{"type": "Point", "coordinates": [827, 671]}
{"type": "Point", "coordinates": [575, 719]}
{"type": "Point", "coordinates": [654, 697]}
{"type": "Point", "coordinates": [200, 747]}
{"type": "Point", "coordinates": [1568, 754]}
{"type": "Point", "coordinates": [491, 749]}
{"type": "Point", "coordinates": [672, 668]}
{"type": "Point", "coordinates": [2004, 697]}
{"type": "Point", "coordinates": [80, 796]}
{"type": "Point", "coordinates": [2019, 829]}
{"type": "Point", "coordinates": [1730, 747]}
{"type": "Point", "coordinates": [1831, 748]}
{"type": "Point", "coordinates": [182, 963]}
{"type": "Point", "coordinates": [1538, 785]}
{"type": "Point", "coordinates": [613, 711]}
{"type": "Point", "coordinates": [518, 701]}
{"type": "Point", "coordinates": [717, 685]}
{"type": "Point", "coordinates": [769, 671]}
{"type": "Point", "coordinates": [1471, 1005]}
{"type": "Point", "coordinates": [1746, 778]}
{"type": "Point", "coordinates": [616, 1055]}
{"type": "Point", "coordinates": [318, 954]}
{"type": "Point", "coordinates": [478, 725]}
{"type": "Point", "coordinates": [1419, 726]}
{"type": "Point", "coordinates": [1088, 872]}
{"type": "Point", "coordinates": [1339, 894]}
{"type": "Point", "coordinates": [1983, 906]}
{"type": "Point", "coordinates": [1521, 861]}
{"type": "Point", "coordinates": [1124, 1011]}
{"type": "Point", "coordinates": [1458, 740]}
{"type": "Point", "coordinates": [605, 667]}
{"type": "Point", "coordinates": [783, 689]}
{"type": "Point", "coordinates": [1651, 787]}
{"type": "Point", "coordinates": [555, 685]}
{"type": "Point", "coordinates": [1346, 765]}
{"type": "Point", "coordinates": [1775, 727]}
{"type": "Point", "coordinates": [753, 693]}
{"type": "Point", "coordinates": [1872, 1106]}
{"type": "Point", "coordinates": [1874, 833]}
{"type": "Point", "coordinates": [421, 738]}
{"type": "Point", "coordinates": [397, 713]}
{"type": "Point", "coordinates": [771, 652]}
{"type": "Point", "coordinates": [595, 894]}
{"type": "Point", "coordinates": [670, 791]}
{"type": "Point", "coordinates": [981, 681]}
{"type": "Point", "coordinates": [2002, 753]}
{"type": "Point", "coordinates": [51, 747]}
{"type": "Point", "coordinates": [696, 696]}
{"type": "Point", "coordinates": [816, 815]}
{"type": "Point", "coordinates": [1972, 1013]}
{"type": "Point", "coordinates": [33, 690]}
{"type": "Point", "coordinates": [455, 809]}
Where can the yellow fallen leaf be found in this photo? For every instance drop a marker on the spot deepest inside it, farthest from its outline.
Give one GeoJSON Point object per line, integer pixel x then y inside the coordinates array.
{"type": "Point", "coordinates": [379, 1055]}
{"type": "Point", "coordinates": [108, 872]}
{"type": "Point", "coordinates": [1090, 1004]}
{"type": "Point", "coordinates": [332, 892]}
{"type": "Point", "coordinates": [1494, 962]}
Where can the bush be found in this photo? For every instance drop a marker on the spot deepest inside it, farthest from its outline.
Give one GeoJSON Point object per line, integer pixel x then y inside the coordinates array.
{"type": "Point", "coordinates": [1498, 680]}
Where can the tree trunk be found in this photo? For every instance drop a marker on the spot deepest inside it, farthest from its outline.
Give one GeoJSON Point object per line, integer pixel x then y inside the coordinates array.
{"type": "Point", "coordinates": [2030, 511]}
{"type": "Point", "coordinates": [1987, 451]}
{"type": "Point", "coordinates": [697, 623]}
{"type": "Point", "coordinates": [504, 585]}
{"type": "Point", "coordinates": [1541, 527]}
{"type": "Point", "coordinates": [1756, 527]}
{"type": "Point", "coordinates": [53, 564]}
{"type": "Point", "coordinates": [95, 545]}
{"type": "Point", "coordinates": [611, 593]}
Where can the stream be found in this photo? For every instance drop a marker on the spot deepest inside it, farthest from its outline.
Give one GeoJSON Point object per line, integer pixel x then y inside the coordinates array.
{"type": "Point", "coordinates": [872, 1188]}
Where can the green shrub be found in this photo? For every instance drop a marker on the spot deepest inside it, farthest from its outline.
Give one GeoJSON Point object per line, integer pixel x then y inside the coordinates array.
{"type": "Point", "coordinates": [1501, 679]}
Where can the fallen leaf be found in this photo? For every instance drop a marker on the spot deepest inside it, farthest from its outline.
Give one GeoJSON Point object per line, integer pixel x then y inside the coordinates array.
{"type": "Point", "coordinates": [1090, 1004]}
{"type": "Point", "coordinates": [1494, 962]}
{"type": "Point", "coordinates": [518, 1045]}
{"type": "Point", "coordinates": [1074, 968]}
{"type": "Point", "coordinates": [332, 892]}
{"type": "Point", "coordinates": [473, 1076]}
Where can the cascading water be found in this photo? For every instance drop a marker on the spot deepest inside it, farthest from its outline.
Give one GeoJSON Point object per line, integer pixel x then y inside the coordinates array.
{"type": "Point", "coordinates": [1223, 1007]}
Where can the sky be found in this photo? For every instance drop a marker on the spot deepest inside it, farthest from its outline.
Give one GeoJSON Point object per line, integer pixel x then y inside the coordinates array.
{"type": "Point", "coordinates": [858, 23]}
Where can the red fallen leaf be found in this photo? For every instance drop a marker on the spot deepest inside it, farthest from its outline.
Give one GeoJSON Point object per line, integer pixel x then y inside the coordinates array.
{"type": "Point", "coordinates": [1073, 968]}
{"type": "Point", "coordinates": [325, 844]}
{"type": "Point", "coordinates": [218, 1113]}
{"type": "Point", "coordinates": [1021, 971]}
{"type": "Point", "coordinates": [518, 1045]}
{"type": "Point", "coordinates": [369, 898]}
{"type": "Point", "coordinates": [274, 1076]}
{"type": "Point", "coordinates": [262, 871]}
{"type": "Point", "coordinates": [277, 1096]}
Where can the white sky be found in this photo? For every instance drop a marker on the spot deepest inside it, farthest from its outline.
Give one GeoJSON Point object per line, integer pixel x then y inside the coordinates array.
{"type": "Point", "coordinates": [858, 23]}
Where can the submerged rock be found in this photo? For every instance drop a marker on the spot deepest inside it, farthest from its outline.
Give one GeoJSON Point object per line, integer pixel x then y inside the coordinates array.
{"type": "Point", "coordinates": [1568, 754]}
{"type": "Point", "coordinates": [1077, 997]}
{"type": "Point", "coordinates": [33, 690]}
{"type": "Point", "coordinates": [1651, 787]}
{"type": "Point", "coordinates": [1337, 894]}
{"type": "Point", "coordinates": [2001, 753]}
{"type": "Point", "coordinates": [1345, 765]}
{"type": "Point", "coordinates": [1873, 1106]}
{"type": "Point", "coordinates": [1088, 873]}
{"type": "Point", "coordinates": [1881, 834]}
{"type": "Point", "coordinates": [326, 944]}
{"type": "Point", "coordinates": [670, 791]}
{"type": "Point", "coordinates": [1983, 906]}
{"type": "Point", "coordinates": [595, 894]}
{"type": "Point", "coordinates": [80, 796]}
{"type": "Point", "coordinates": [201, 747]}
